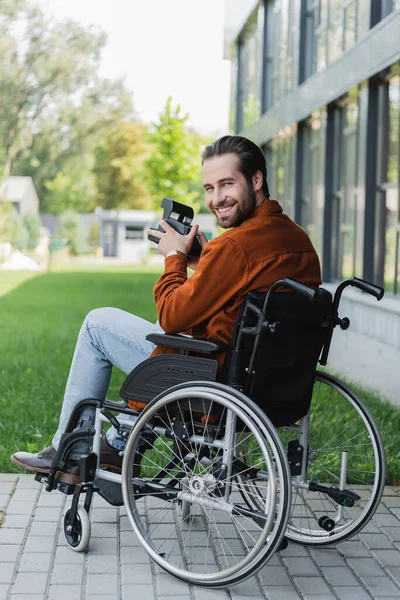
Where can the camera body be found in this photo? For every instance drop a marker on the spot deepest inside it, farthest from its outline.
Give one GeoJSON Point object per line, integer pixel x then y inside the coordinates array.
{"type": "Point", "coordinates": [179, 217]}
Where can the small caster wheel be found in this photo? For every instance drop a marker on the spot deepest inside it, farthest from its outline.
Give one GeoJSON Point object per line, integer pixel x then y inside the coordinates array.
{"type": "Point", "coordinates": [77, 533]}
{"type": "Point", "coordinates": [186, 506]}
{"type": "Point", "coordinates": [326, 523]}
{"type": "Point", "coordinates": [283, 545]}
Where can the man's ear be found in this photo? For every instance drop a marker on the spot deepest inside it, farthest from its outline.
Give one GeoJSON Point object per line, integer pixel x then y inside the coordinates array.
{"type": "Point", "coordinates": [257, 181]}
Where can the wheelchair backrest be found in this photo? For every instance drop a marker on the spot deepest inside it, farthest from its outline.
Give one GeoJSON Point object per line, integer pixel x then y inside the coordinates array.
{"type": "Point", "coordinates": [279, 377]}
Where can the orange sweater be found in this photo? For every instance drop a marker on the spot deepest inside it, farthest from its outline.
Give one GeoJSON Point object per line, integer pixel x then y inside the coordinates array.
{"type": "Point", "coordinates": [266, 247]}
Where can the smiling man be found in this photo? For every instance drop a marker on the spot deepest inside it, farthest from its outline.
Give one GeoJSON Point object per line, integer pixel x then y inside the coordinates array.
{"type": "Point", "coordinates": [260, 246]}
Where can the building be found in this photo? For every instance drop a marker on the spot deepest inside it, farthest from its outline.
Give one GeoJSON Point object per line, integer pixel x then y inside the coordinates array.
{"type": "Point", "coordinates": [316, 83]}
{"type": "Point", "coordinates": [21, 192]}
{"type": "Point", "coordinates": [123, 233]}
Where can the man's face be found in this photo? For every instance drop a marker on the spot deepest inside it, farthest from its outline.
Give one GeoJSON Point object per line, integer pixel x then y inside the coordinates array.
{"type": "Point", "coordinates": [228, 195]}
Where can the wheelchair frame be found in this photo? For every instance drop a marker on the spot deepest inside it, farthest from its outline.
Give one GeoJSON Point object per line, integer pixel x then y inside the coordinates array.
{"type": "Point", "coordinates": [217, 469]}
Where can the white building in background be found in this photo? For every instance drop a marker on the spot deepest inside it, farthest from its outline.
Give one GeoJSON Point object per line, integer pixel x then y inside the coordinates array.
{"type": "Point", "coordinates": [123, 233]}
{"type": "Point", "coordinates": [21, 192]}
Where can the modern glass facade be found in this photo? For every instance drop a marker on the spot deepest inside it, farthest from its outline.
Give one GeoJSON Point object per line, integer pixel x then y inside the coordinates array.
{"type": "Point", "coordinates": [316, 84]}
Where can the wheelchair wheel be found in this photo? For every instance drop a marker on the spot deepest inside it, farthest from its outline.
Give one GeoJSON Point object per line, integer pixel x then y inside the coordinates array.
{"type": "Point", "coordinates": [77, 534]}
{"type": "Point", "coordinates": [342, 449]}
{"type": "Point", "coordinates": [219, 540]}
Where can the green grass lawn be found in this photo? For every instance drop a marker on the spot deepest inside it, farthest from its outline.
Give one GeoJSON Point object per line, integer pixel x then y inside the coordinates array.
{"type": "Point", "coordinates": [40, 317]}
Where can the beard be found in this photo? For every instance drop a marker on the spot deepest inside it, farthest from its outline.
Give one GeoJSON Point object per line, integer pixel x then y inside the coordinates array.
{"type": "Point", "coordinates": [242, 212]}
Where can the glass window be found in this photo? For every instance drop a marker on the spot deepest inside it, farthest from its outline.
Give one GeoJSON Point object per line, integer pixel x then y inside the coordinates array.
{"type": "Point", "coordinates": [280, 156]}
{"type": "Point", "coordinates": [388, 210]}
{"type": "Point", "coordinates": [331, 28]}
{"type": "Point", "coordinates": [312, 189]}
{"type": "Point", "coordinates": [133, 232]}
{"type": "Point", "coordinates": [345, 189]}
{"type": "Point", "coordinates": [234, 90]}
{"type": "Point", "coordinates": [251, 71]}
{"type": "Point", "coordinates": [388, 6]}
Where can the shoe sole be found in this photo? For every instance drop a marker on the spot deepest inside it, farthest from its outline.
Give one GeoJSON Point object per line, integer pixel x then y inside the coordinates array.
{"type": "Point", "coordinates": [29, 468]}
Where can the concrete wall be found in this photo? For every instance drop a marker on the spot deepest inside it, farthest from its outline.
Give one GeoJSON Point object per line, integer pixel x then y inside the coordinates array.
{"type": "Point", "coordinates": [369, 351]}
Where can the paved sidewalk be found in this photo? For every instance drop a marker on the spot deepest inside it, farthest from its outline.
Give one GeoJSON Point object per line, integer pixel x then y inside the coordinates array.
{"type": "Point", "coordinates": [36, 564]}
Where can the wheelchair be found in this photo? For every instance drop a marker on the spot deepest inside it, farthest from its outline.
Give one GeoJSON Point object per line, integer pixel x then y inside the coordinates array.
{"type": "Point", "coordinates": [219, 471]}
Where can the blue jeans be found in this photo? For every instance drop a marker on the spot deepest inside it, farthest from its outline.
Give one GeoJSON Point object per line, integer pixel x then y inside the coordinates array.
{"type": "Point", "coordinates": [109, 336]}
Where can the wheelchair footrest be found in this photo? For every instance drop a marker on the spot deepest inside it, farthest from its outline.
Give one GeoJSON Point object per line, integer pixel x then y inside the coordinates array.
{"type": "Point", "coordinates": [65, 488]}
{"type": "Point", "coordinates": [342, 497]}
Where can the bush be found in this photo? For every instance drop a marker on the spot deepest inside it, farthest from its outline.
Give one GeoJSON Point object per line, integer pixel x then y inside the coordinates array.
{"type": "Point", "coordinates": [71, 228]}
{"type": "Point", "coordinates": [94, 235]}
{"type": "Point", "coordinates": [12, 228]}
{"type": "Point", "coordinates": [32, 225]}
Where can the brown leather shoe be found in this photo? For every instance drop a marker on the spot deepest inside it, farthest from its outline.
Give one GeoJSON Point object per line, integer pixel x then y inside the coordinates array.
{"type": "Point", "coordinates": [109, 457]}
{"type": "Point", "coordinates": [39, 462]}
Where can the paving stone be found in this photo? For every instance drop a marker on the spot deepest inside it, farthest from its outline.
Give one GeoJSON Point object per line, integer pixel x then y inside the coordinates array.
{"type": "Point", "coordinates": [67, 574]}
{"type": "Point", "coordinates": [101, 584]}
{"type": "Point", "coordinates": [6, 572]}
{"type": "Point", "coordinates": [27, 597]}
{"type": "Point", "coordinates": [392, 502]}
{"type": "Point", "coordinates": [102, 564]}
{"type": "Point", "coordinates": [140, 574]}
{"type": "Point", "coordinates": [395, 573]}
{"type": "Point", "coordinates": [379, 587]}
{"type": "Point", "coordinates": [4, 499]}
{"type": "Point", "coordinates": [100, 547]}
{"type": "Point", "coordinates": [166, 585]}
{"type": "Point", "coordinates": [30, 583]}
{"type": "Point", "coordinates": [294, 550]}
{"type": "Point", "coordinates": [270, 576]}
{"type": "Point", "coordinates": [393, 533]}
{"type": "Point", "coordinates": [104, 530]}
{"type": "Point", "coordinates": [283, 593]}
{"type": "Point", "coordinates": [104, 515]}
{"type": "Point", "coordinates": [65, 555]}
{"type": "Point", "coordinates": [51, 499]}
{"type": "Point", "coordinates": [386, 520]}
{"type": "Point", "coordinates": [313, 586]}
{"type": "Point", "coordinates": [11, 536]}
{"type": "Point", "coordinates": [247, 589]}
{"type": "Point", "coordinates": [388, 558]}
{"type": "Point", "coordinates": [6, 487]}
{"type": "Point", "coordinates": [24, 495]}
{"type": "Point", "coordinates": [48, 513]}
{"type": "Point", "coordinates": [4, 588]}
{"type": "Point", "coordinates": [133, 555]}
{"type": "Point", "coordinates": [39, 543]}
{"type": "Point", "coordinates": [18, 507]}
{"type": "Point", "coordinates": [65, 592]}
{"type": "Point", "coordinates": [207, 594]}
{"type": "Point", "coordinates": [327, 558]}
{"type": "Point", "coordinates": [366, 566]}
{"type": "Point", "coordinates": [16, 521]}
{"type": "Point", "coordinates": [353, 550]}
{"type": "Point", "coordinates": [144, 592]}
{"type": "Point", "coordinates": [35, 562]}
{"type": "Point", "coordinates": [301, 566]}
{"type": "Point", "coordinates": [339, 576]}
{"type": "Point", "coordinates": [27, 481]}
{"type": "Point", "coordinates": [9, 476]}
{"type": "Point", "coordinates": [9, 553]}
{"type": "Point", "coordinates": [43, 528]}
{"type": "Point", "coordinates": [351, 593]}
{"type": "Point", "coordinates": [376, 540]}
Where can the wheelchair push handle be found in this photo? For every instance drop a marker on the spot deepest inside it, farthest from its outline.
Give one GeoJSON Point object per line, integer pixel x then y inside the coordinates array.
{"type": "Point", "coordinates": [367, 287]}
{"type": "Point", "coordinates": [305, 290]}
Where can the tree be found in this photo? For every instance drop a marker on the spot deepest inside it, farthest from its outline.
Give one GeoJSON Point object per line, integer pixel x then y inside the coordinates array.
{"type": "Point", "coordinates": [12, 228]}
{"type": "Point", "coordinates": [32, 225]}
{"type": "Point", "coordinates": [173, 165]}
{"type": "Point", "coordinates": [71, 228]}
{"type": "Point", "coordinates": [118, 168]}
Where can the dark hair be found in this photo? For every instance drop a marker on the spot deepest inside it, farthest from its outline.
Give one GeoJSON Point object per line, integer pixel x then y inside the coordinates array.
{"type": "Point", "coordinates": [251, 157]}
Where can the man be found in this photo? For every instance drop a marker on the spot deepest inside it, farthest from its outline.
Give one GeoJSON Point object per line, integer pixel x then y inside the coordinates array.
{"type": "Point", "coordinates": [260, 246]}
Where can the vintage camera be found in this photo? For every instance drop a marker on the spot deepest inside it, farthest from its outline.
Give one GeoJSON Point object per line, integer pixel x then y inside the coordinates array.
{"type": "Point", "coordinates": [180, 217]}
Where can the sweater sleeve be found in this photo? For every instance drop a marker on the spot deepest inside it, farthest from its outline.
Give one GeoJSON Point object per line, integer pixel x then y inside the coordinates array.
{"type": "Point", "coordinates": [182, 302]}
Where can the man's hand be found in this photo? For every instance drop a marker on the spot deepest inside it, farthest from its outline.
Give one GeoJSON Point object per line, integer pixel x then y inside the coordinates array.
{"type": "Point", "coordinates": [193, 262]}
{"type": "Point", "coordinates": [171, 240]}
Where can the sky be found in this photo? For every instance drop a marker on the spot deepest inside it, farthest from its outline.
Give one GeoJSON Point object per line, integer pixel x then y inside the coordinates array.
{"type": "Point", "coordinates": [162, 48]}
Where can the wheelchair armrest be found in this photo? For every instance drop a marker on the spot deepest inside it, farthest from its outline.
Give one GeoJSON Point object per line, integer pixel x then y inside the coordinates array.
{"type": "Point", "coordinates": [186, 342]}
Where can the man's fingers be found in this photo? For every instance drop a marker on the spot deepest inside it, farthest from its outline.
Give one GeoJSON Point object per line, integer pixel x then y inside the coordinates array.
{"type": "Point", "coordinates": [155, 233]}
{"type": "Point", "coordinates": [166, 226]}
{"type": "Point", "coordinates": [193, 232]}
{"type": "Point", "coordinates": [202, 238]}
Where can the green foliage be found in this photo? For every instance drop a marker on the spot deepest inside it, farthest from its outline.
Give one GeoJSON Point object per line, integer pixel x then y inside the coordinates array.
{"type": "Point", "coordinates": [173, 165]}
{"type": "Point", "coordinates": [71, 228]}
{"type": "Point", "coordinates": [119, 168]}
{"type": "Point", "coordinates": [12, 228]}
{"type": "Point", "coordinates": [32, 225]}
{"type": "Point", "coordinates": [94, 234]}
